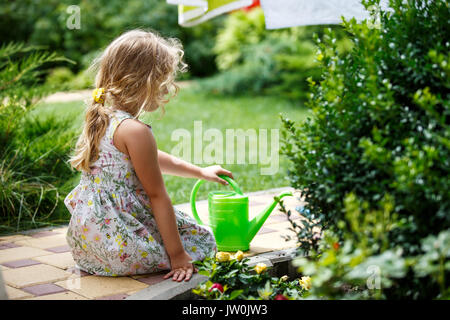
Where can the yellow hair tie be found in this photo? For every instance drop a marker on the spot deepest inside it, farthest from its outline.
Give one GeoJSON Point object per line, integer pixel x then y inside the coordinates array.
{"type": "Point", "coordinates": [99, 95]}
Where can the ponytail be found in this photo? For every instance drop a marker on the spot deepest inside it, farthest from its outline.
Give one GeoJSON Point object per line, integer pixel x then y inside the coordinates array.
{"type": "Point", "coordinates": [95, 123]}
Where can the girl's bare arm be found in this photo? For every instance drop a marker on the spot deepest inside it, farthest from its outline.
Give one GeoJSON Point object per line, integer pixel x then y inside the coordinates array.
{"type": "Point", "coordinates": [172, 165]}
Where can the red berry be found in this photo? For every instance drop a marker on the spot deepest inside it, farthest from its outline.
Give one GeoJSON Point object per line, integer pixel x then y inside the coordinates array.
{"type": "Point", "coordinates": [336, 246]}
{"type": "Point", "coordinates": [280, 297]}
{"type": "Point", "coordinates": [217, 286]}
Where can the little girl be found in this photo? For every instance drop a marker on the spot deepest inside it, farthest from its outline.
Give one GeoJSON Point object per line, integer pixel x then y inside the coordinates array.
{"type": "Point", "coordinates": [122, 219]}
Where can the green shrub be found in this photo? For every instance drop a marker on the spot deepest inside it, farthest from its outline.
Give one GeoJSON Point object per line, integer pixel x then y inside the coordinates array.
{"type": "Point", "coordinates": [83, 80]}
{"type": "Point", "coordinates": [241, 29]}
{"type": "Point", "coordinates": [31, 151]}
{"type": "Point", "coordinates": [380, 130]}
{"type": "Point", "coordinates": [63, 79]}
{"type": "Point", "coordinates": [59, 78]}
{"type": "Point", "coordinates": [362, 264]}
{"type": "Point", "coordinates": [254, 76]}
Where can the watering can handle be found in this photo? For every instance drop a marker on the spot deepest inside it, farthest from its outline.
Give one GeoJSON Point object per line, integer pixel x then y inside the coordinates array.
{"type": "Point", "coordinates": [199, 182]}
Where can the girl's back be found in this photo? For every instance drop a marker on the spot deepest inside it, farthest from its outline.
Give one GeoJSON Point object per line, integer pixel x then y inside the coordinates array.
{"type": "Point", "coordinates": [112, 230]}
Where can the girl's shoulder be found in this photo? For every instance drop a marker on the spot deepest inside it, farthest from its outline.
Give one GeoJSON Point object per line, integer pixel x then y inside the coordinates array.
{"type": "Point", "coordinates": [116, 119]}
{"type": "Point", "coordinates": [120, 115]}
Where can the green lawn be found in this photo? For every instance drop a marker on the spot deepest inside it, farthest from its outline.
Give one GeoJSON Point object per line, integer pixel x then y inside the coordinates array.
{"type": "Point", "coordinates": [215, 112]}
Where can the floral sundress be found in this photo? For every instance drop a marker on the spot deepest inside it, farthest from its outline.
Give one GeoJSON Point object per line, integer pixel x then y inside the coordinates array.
{"type": "Point", "coordinates": [112, 230]}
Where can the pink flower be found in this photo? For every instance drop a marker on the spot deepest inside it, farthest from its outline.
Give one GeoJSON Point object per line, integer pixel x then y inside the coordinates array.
{"type": "Point", "coordinates": [107, 221]}
{"type": "Point", "coordinates": [216, 286]}
{"type": "Point", "coordinates": [124, 256]}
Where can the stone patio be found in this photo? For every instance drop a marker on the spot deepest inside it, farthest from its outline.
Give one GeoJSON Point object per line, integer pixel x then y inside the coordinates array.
{"type": "Point", "coordinates": [38, 265]}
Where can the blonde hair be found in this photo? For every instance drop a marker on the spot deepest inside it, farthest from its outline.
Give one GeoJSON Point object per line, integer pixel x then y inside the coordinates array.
{"type": "Point", "coordinates": [137, 70]}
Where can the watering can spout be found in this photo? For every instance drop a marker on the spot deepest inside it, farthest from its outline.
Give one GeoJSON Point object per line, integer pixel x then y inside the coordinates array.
{"type": "Point", "coordinates": [256, 223]}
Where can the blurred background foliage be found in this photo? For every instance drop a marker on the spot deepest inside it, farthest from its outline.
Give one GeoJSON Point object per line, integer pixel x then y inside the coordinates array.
{"type": "Point", "coordinates": [233, 53]}
{"type": "Point", "coordinates": [44, 23]}
{"type": "Point", "coordinates": [253, 60]}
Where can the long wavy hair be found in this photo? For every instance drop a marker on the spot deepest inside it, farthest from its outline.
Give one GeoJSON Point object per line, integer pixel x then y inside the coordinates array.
{"type": "Point", "coordinates": [137, 71]}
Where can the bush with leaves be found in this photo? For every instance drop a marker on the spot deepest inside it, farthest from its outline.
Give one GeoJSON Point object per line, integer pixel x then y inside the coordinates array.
{"type": "Point", "coordinates": [31, 149]}
{"type": "Point", "coordinates": [362, 265]}
{"type": "Point", "coordinates": [379, 131]}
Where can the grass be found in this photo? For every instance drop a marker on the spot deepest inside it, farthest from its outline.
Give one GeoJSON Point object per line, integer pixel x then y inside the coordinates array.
{"type": "Point", "coordinates": [217, 112]}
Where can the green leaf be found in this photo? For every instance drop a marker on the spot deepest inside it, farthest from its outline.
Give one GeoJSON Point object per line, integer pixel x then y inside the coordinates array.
{"type": "Point", "coordinates": [235, 293]}
{"type": "Point", "coordinates": [204, 273]}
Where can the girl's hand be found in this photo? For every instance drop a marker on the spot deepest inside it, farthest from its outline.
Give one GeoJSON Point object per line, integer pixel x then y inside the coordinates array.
{"type": "Point", "coordinates": [182, 267]}
{"type": "Point", "coordinates": [211, 173]}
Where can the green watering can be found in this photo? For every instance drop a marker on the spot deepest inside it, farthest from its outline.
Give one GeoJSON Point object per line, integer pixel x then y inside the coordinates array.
{"type": "Point", "coordinates": [228, 216]}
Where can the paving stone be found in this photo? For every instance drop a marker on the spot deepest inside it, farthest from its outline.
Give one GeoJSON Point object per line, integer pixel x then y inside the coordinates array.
{"type": "Point", "coordinates": [152, 279]}
{"type": "Point", "coordinates": [15, 294]}
{"type": "Point", "coordinates": [76, 272]}
{"type": "Point", "coordinates": [54, 240]}
{"type": "Point", "coordinates": [167, 289]}
{"type": "Point", "coordinates": [7, 245]}
{"type": "Point", "coordinates": [59, 249]}
{"type": "Point", "coordinates": [68, 295]}
{"type": "Point", "coordinates": [60, 230]}
{"type": "Point", "coordinates": [21, 263]}
{"type": "Point", "coordinates": [93, 287]}
{"type": "Point", "coordinates": [129, 293]}
{"type": "Point", "coordinates": [264, 230]}
{"type": "Point", "coordinates": [276, 218]}
{"type": "Point", "coordinates": [19, 253]}
{"type": "Point", "coordinates": [42, 289]}
{"type": "Point", "coordinates": [12, 238]}
{"type": "Point", "coordinates": [33, 275]}
{"type": "Point", "coordinates": [59, 260]}
{"type": "Point", "coordinates": [120, 296]}
{"type": "Point", "coordinates": [256, 249]}
{"type": "Point", "coordinates": [256, 202]}
{"type": "Point", "coordinates": [283, 227]}
{"type": "Point", "coordinates": [41, 234]}
{"type": "Point", "coordinates": [270, 242]}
